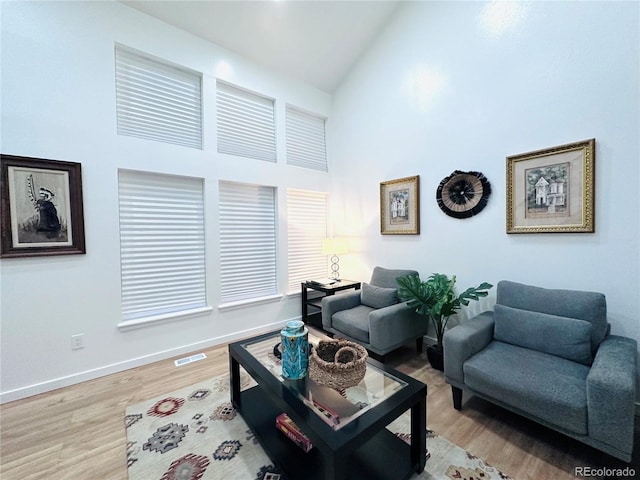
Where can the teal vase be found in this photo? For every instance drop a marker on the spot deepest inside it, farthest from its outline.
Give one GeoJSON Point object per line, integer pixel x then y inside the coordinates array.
{"type": "Point", "coordinates": [295, 350]}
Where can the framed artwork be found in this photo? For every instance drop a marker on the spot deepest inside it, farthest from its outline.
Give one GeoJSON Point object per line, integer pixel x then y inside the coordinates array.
{"type": "Point", "coordinates": [552, 190]}
{"type": "Point", "coordinates": [40, 207]}
{"type": "Point", "coordinates": [400, 206]}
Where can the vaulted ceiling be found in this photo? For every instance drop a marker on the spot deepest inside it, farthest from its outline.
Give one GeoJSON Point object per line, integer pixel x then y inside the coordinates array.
{"type": "Point", "coordinates": [313, 41]}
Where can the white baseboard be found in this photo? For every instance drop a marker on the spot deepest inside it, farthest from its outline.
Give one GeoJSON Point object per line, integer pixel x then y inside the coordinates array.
{"type": "Point", "coordinates": [49, 385]}
{"type": "Point", "coordinates": [35, 389]}
{"type": "Point", "coordinates": [429, 340]}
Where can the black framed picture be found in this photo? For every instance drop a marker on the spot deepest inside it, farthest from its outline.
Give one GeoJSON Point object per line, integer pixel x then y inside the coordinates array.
{"type": "Point", "coordinates": [40, 207]}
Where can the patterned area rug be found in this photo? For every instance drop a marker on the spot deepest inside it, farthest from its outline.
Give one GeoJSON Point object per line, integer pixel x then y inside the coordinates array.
{"type": "Point", "coordinates": [196, 434]}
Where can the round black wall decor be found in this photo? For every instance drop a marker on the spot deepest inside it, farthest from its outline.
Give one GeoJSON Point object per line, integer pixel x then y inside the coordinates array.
{"type": "Point", "coordinates": [463, 194]}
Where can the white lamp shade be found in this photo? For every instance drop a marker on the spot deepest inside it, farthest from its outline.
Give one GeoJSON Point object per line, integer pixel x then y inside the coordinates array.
{"type": "Point", "coordinates": [334, 246]}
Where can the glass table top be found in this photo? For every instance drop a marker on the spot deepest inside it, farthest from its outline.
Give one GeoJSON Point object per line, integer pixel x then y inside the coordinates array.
{"type": "Point", "coordinates": [336, 407]}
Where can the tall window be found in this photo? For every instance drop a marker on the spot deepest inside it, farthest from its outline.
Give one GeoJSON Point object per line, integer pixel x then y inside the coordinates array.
{"type": "Point", "coordinates": [246, 123]}
{"type": "Point", "coordinates": [306, 144]}
{"type": "Point", "coordinates": [247, 241]}
{"type": "Point", "coordinates": [162, 244]}
{"type": "Point", "coordinates": [307, 226]}
{"type": "Point", "coordinates": [157, 101]}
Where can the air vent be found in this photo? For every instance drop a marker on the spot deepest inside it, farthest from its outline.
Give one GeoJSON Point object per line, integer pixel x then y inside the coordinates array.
{"type": "Point", "coordinates": [192, 358]}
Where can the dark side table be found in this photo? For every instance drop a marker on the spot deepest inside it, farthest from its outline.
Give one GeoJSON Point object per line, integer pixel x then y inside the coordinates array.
{"type": "Point", "coordinates": [312, 295]}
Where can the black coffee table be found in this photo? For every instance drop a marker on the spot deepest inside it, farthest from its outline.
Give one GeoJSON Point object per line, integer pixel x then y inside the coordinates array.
{"type": "Point", "coordinates": [356, 444]}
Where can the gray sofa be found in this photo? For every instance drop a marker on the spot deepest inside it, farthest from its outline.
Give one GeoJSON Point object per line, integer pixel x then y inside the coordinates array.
{"type": "Point", "coordinates": [548, 355]}
{"type": "Point", "coordinates": [374, 316]}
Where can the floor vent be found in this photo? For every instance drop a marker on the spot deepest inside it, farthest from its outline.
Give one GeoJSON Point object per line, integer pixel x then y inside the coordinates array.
{"type": "Point", "coordinates": [192, 358]}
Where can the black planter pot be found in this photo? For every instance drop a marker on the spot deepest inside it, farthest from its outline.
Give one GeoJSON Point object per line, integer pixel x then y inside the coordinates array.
{"type": "Point", "coordinates": [435, 354]}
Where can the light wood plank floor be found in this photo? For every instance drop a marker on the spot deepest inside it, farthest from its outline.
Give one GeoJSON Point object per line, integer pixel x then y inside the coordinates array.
{"type": "Point", "coordinates": [77, 433]}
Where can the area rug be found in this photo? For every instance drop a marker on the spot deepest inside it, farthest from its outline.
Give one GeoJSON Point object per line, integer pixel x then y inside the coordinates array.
{"type": "Point", "coordinates": [196, 434]}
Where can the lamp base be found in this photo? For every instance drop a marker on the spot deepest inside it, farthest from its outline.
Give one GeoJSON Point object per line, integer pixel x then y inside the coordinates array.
{"type": "Point", "coordinates": [335, 267]}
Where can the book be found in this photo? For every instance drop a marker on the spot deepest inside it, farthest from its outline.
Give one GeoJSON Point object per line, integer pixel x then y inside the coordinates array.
{"type": "Point", "coordinates": [323, 282]}
{"type": "Point", "coordinates": [326, 414]}
{"type": "Point", "coordinates": [293, 433]}
{"type": "Point", "coordinates": [331, 405]}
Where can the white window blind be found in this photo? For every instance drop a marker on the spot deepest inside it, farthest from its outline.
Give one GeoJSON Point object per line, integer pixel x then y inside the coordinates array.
{"type": "Point", "coordinates": [246, 123]}
{"type": "Point", "coordinates": [306, 145]}
{"type": "Point", "coordinates": [157, 101]}
{"type": "Point", "coordinates": [247, 241]}
{"type": "Point", "coordinates": [162, 244]}
{"type": "Point", "coordinates": [307, 227]}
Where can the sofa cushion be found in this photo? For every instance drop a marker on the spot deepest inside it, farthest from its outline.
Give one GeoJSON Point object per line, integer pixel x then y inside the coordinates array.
{"type": "Point", "coordinates": [386, 277]}
{"type": "Point", "coordinates": [589, 306]}
{"type": "Point", "coordinates": [547, 387]}
{"type": "Point", "coordinates": [561, 336]}
{"type": "Point", "coordinates": [353, 322]}
{"type": "Point", "coordinates": [378, 297]}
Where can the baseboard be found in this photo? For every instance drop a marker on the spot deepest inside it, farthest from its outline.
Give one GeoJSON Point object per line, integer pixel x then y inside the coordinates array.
{"type": "Point", "coordinates": [429, 340]}
{"type": "Point", "coordinates": [49, 385]}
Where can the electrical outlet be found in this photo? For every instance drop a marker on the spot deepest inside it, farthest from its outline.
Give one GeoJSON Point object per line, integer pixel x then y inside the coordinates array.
{"type": "Point", "coordinates": [77, 341]}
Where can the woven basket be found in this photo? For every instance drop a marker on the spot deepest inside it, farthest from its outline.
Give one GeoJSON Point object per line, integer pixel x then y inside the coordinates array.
{"type": "Point", "coordinates": [337, 363]}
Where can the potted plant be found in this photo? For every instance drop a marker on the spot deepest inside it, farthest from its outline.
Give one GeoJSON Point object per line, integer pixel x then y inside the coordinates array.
{"type": "Point", "coordinates": [436, 298]}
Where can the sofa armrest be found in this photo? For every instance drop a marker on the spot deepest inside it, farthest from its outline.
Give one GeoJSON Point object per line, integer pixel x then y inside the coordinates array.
{"type": "Point", "coordinates": [336, 303]}
{"type": "Point", "coordinates": [394, 325]}
{"type": "Point", "coordinates": [611, 391]}
{"type": "Point", "coordinates": [462, 342]}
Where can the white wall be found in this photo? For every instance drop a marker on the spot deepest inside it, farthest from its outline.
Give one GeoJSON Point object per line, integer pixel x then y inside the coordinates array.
{"type": "Point", "coordinates": [568, 71]}
{"type": "Point", "coordinates": [58, 102]}
{"type": "Point", "coordinates": [444, 88]}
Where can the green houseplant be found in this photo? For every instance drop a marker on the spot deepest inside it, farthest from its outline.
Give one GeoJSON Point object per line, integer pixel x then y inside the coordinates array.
{"type": "Point", "coordinates": [436, 298]}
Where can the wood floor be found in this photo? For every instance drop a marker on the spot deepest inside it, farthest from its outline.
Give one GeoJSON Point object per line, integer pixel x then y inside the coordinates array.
{"type": "Point", "coordinates": [77, 433]}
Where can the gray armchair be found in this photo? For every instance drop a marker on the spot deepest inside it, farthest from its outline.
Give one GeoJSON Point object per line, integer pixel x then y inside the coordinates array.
{"type": "Point", "coordinates": [548, 355]}
{"type": "Point", "coordinates": [374, 316]}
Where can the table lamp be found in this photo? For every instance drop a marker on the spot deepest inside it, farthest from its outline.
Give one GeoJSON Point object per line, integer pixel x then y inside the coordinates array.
{"type": "Point", "coordinates": [334, 247]}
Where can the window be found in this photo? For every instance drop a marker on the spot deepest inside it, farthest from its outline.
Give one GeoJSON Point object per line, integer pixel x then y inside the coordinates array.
{"type": "Point", "coordinates": [162, 245]}
{"type": "Point", "coordinates": [157, 101]}
{"type": "Point", "coordinates": [307, 227]}
{"type": "Point", "coordinates": [306, 146]}
{"type": "Point", "coordinates": [246, 123]}
{"type": "Point", "coordinates": [247, 241]}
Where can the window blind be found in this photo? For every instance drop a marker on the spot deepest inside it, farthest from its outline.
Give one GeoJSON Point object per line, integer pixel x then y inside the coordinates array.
{"type": "Point", "coordinates": [157, 101]}
{"type": "Point", "coordinates": [306, 144]}
{"type": "Point", "coordinates": [247, 241]}
{"type": "Point", "coordinates": [162, 244]}
{"type": "Point", "coordinates": [246, 123]}
{"type": "Point", "coordinates": [307, 227]}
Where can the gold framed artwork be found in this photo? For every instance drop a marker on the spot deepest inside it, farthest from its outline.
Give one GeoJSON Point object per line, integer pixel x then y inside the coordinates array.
{"type": "Point", "coordinates": [400, 206]}
{"type": "Point", "coordinates": [552, 190]}
{"type": "Point", "coordinates": [41, 207]}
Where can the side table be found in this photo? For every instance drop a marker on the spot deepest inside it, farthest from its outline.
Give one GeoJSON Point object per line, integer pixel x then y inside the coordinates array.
{"type": "Point", "coordinates": [313, 299]}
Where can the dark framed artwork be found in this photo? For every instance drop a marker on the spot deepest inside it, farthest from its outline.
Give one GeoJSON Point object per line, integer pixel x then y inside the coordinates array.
{"type": "Point", "coordinates": [40, 207]}
{"type": "Point", "coordinates": [400, 206]}
{"type": "Point", "coordinates": [552, 190]}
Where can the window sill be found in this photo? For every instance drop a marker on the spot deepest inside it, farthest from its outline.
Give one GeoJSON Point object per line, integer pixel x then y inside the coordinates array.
{"type": "Point", "coordinates": [249, 301]}
{"type": "Point", "coordinates": [159, 319]}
